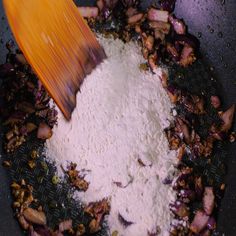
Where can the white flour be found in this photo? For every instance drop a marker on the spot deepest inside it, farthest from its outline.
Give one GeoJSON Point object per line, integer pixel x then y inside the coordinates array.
{"type": "Point", "coordinates": [119, 118]}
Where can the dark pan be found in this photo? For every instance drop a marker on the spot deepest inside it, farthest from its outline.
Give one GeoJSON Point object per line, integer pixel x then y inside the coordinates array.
{"type": "Point", "coordinates": [214, 22]}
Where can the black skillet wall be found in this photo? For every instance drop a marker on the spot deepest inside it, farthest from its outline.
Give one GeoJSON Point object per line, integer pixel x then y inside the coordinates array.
{"type": "Point", "coordinates": [214, 21]}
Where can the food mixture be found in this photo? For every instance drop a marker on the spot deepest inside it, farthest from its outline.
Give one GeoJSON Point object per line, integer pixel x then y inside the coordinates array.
{"type": "Point", "coordinates": [116, 136]}
{"type": "Point", "coordinates": [114, 155]}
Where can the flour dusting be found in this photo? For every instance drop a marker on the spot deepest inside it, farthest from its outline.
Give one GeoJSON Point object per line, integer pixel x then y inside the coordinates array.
{"type": "Point", "coordinates": [118, 121]}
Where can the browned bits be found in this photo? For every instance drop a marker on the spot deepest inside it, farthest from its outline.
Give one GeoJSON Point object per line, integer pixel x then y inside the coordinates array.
{"type": "Point", "coordinates": [215, 102]}
{"type": "Point", "coordinates": [65, 225]}
{"type": "Point", "coordinates": [143, 67]}
{"type": "Point", "coordinates": [159, 35]}
{"type": "Point", "coordinates": [23, 223]}
{"type": "Point", "coordinates": [25, 107]}
{"type": "Point", "coordinates": [222, 187]}
{"type": "Point", "coordinates": [34, 154]}
{"type": "Point", "coordinates": [44, 131]}
{"type": "Point", "coordinates": [97, 210]}
{"type": "Point", "coordinates": [80, 230]}
{"type": "Point", "coordinates": [22, 194]}
{"type": "Point", "coordinates": [21, 59]}
{"type": "Point", "coordinates": [199, 222]}
{"type": "Point", "coordinates": [187, 56]}
{"type": "Point", "coordinates": [15, 186]}
{"type": "Point", "coordinates": [31, 164]}
{"type": "Point", "coordinates": [161, 26]}
{"type": "Point", "coordinates": [232, 137]}
{"type": "Point", "coordinates": [34, 216]}
{"type": "Point", "coordinates": [23, 197]}
{"type": "Point", "coordinates": [227, 118]}
{"type": "Point", "coordinates": [183, 211]}
{"type": "Point", "coordinates": [30, 127]}
{"type": "Point", "coordinates": [131, 11]}
{"type": "Point", "coordinates": [181, 152]}
{"type": "Point", "coordinates": [149, 42]}
{"type": "Point", "coordinates": [94, 226]}
{"type": "Point", "coordinates": [174, 97]}
{"type": "Point", "coordinates": [152, 61]}
{"type": "Point", "coordinates": [135, 18]}
{"type": "Point", "coordinates": [145, 52]}
{"type": "Point", "coordinates": [16, 204]}
{"type": "Point", "coordinates": [7, 164]}
{"type": "Point", "coordinates": [115, 233]}
{"type": "Point", "coordinates": [172, 50]}
{"type": "Point", "coordinates": [138, 29]}
{"type": "Point", "coordinates": [164, 79]}
{"type": "Point", "coordinates": [74, 178]}
{"type": "Point", "coordinates": [9, 135]}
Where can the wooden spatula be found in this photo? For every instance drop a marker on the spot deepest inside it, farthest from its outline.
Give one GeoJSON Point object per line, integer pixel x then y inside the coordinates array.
{"type": "Point", "coordinates": [57, 43]}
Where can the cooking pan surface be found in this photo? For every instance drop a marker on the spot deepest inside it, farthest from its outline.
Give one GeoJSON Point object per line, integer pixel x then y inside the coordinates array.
{"type": "Point", "coordinates": [213, 21]}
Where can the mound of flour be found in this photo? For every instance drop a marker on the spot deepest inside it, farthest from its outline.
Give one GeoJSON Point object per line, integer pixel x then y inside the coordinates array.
{"type": "Point", "coordinates": [119, 119]}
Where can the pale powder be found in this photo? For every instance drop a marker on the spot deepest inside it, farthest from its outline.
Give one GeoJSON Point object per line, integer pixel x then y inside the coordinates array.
{"type": "Point", "coordinates": [119, 118]}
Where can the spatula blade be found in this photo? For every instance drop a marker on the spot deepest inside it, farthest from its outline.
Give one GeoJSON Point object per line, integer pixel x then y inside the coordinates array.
{"type": "Point", "coordinates": [57, 43]}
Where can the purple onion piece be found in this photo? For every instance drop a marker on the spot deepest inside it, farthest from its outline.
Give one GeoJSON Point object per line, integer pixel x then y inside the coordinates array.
{"type": "Point", "coordinates": [180, 209]}
{"type": "Point", "coordinates": [10, 45]}
{"type": "Point", "coordinates": [100, 4]}
{"type": "Point", "coordinates": [52, 117]}
{"type": "Point", "coordinates": [88, 12]}
{"type": "Point", "coordinates": [227, 117]}
{"type": "Point", "coordinates": [178, 46]}
{"type": "Point", "coordinates": [187, 56]}
{"type": "Point", "coordinates": [168, 5]}
{"type": "Point", "coordinates": [182, 177]}
{"type": "Point", "coordinates": [31, 232]}
{"type": "Point", "coordinates": [19, 115]}
{"type": "Point", "coordinates": [208, 200]}
{"type": "Point", "coordinates": [65, 225]}
{"type": "Point", "coordinates": [157, 15]}
{"type": "Point", "coordinates": [206, 232]}
{"type": "Point", "coordinates": [25, 107]}
{"type": "Point", "coordinates": [44, 131]}
{"type": "Point", "coordinates": [167, 181]}
{"type": "Point", "coordinates": [16, 117]}
{"type": "Point", "coordinates": [172, 51]}
{"type": "Point", "coordinates": [211, 224]}
{"type": "Point", "coordinates": [187, 39]}
{"type": "Point", "coordinates": [135, 18]}
{"type": "Point", "coordinates": [178, 25]}
{"type": "Point", "coordinates": [171, 89]}
{"type": "Point", "coordinates": [23, 130]}
{"type": "Point", "coordinates": [215, 102]}
{"type": "Point", "coordinates": [221, 135]}
{"type": "Point", "coordinates": [42, 230]}
{"type": "Point", "coordinates": [187, 193]}
{"type": "Point", "coordinates": [106, 12]}
{"type": "Point", "coordinates": [199, 222]}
